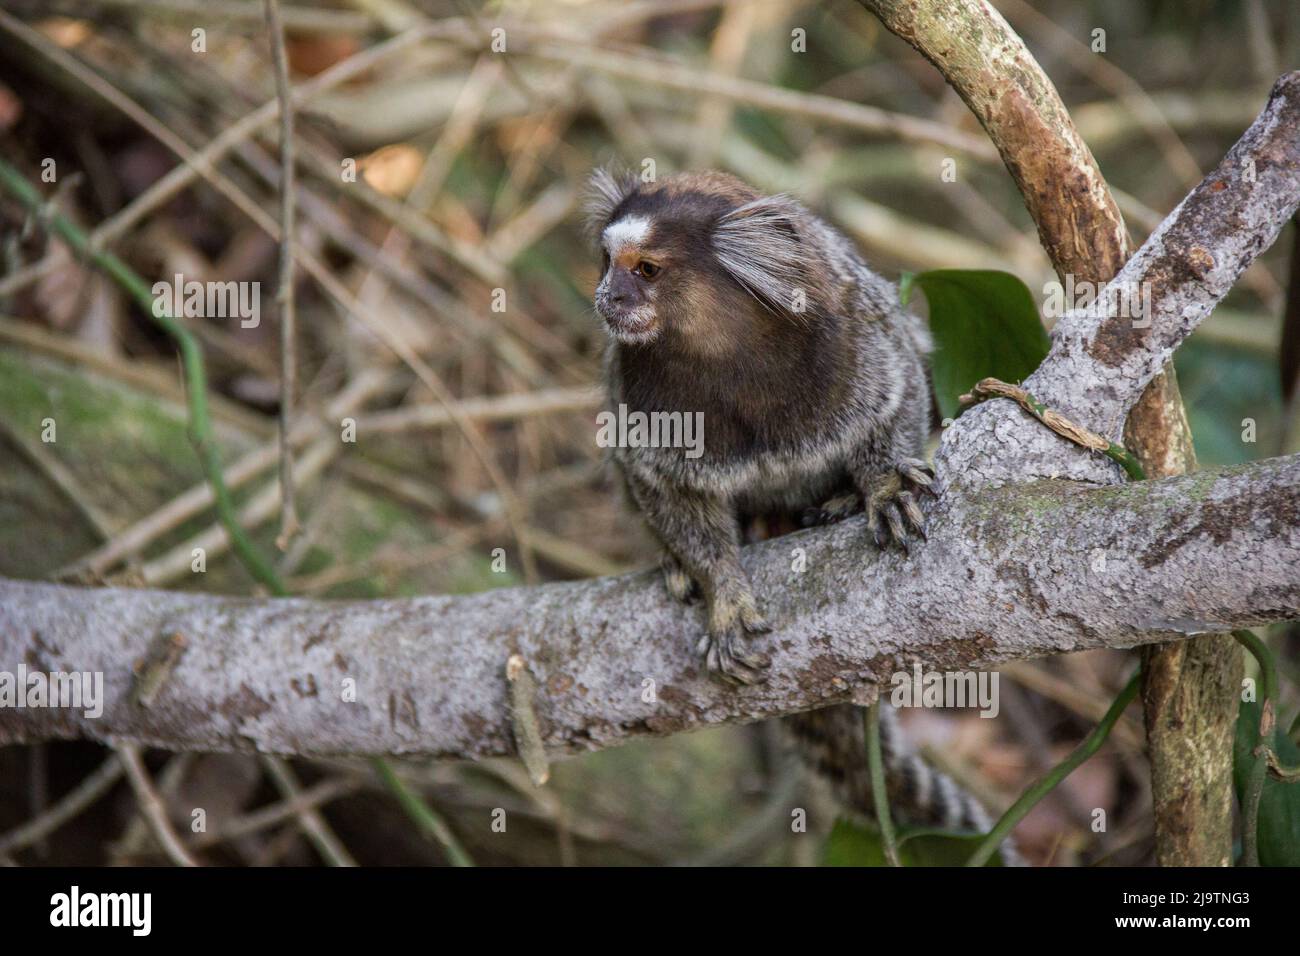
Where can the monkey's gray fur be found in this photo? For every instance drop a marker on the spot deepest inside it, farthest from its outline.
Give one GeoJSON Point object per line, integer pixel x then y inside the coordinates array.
{"type": "Point", "coordinates": [812, 384]}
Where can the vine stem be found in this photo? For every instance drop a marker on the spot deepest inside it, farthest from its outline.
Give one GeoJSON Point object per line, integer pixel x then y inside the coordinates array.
{"type": "Point", "coordinates": [876, 767]}
{"type": "Point", "coordinates": [1262, 749]}
{"type": "Point", "coordinates": [430, 822]}
{"type": "Point", "coordinates": [196, 384]}
{"type": "Point", "coordinates": [1090, 745]}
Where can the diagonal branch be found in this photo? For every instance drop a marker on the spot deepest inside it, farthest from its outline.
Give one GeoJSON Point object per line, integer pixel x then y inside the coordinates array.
{"type": "Point", "coordinates": [1102, 360]}
{"type": "Point", "coordinates": [989, 67]}
{"type": "Point", "coordinates": [1100, 363]}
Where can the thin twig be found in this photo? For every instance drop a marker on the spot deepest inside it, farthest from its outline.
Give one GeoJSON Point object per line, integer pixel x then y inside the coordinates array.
{"type": "Point", "coordinates": [987, 388]}
{"type": "Point", "coordinates": [137, 374]}
{"type": "Point", "coordinates": [1280, 771]}
{"type": "Point", "coordinates": [649, 66]}
{"type": "Point", "coordinates": [60, 476]}
{"type": "Point", "coordinates": [95, 784]}
{"type": "Point", "coordinates": [135, 837]}
{"type": "Point", "coordinates": [487, 408]}
{"type": "Point", "coordinates": [133, 540]}
{"type": "Point", "coordinates": [151, 805]}
{"type": "Point", "coordinates": [310, 18]}
{"type": "Point", "coordinates": [879, 795]}
{"type": "Point", "coordinates": [430, 822]}
{"type": "Point", "coordinates": [523, 715]}
{"type": "Point", "coordinates": [309, 818]}
{"type": "Point", "coordinates": [1263, 745]}
{"type": "Point", "coordinates": [289, 524]}
{"type": "Point", "coordinates": [176, 562]}
{"type": "Point", "coordinates": [550, 806]}
{"type": "Point", "coordinates": [1255, 780]}
{"type": "Point", "coordinates": [263, 818]}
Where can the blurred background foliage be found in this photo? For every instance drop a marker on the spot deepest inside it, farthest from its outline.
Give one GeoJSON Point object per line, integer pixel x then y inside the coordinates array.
{"type": "Point", "coordinates": [471, 164]}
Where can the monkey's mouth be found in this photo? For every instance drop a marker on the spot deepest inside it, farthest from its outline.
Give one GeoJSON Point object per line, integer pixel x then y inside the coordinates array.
{"type": "Point", "coordinates": [634, 328]}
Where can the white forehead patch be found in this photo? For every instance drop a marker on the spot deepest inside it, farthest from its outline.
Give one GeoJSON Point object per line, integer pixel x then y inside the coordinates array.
{"type": "Point", "coordinates": [629, 231]}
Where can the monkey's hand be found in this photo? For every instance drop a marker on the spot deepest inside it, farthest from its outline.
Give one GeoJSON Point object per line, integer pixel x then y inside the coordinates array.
{"type": "Point", "coordinates": [889, 499]}
{"type": "Point", "coordinates": [700, 536]}
{"type": "Point", "coordinates": [733, 614]}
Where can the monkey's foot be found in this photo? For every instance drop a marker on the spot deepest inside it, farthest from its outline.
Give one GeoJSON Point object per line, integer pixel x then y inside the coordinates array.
{"type": "Point", "coordinates": [680, 584]}
{"type": "Point", "coordinates": [730, 622]}
{"type": "Point", "coordinates": [890, 500]}
{"type": "Point", "coordinates": [833, 510]}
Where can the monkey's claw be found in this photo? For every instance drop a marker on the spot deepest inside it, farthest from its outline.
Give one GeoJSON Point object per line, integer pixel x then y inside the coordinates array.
{"type": "Point", "coordinates": [893, 515]}
{"type": "Point", "coordinates": [918, 473]}
{"type": "Point", "coordinates": [832, 510]}
{"type": "Point", "coordinates": [722, 647]}
{"type": "Point", "coordinates": [725, 658]}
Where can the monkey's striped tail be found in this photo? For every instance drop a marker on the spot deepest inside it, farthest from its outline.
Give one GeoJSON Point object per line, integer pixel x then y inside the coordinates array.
{"type": "Point", "coordinates": [833, 742]}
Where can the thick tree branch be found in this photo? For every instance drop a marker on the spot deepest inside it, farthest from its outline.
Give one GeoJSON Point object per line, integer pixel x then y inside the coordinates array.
{"type": "Point", "coordinates": [1013, 573]}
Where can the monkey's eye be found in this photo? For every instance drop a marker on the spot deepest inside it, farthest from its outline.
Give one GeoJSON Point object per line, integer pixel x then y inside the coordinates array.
{"type": "Point", "coordinates": [646, 269]}
{"type": "Point", "coordinates": [604, 262]}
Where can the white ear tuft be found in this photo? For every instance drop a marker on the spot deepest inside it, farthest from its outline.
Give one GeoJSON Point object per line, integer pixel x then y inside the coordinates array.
{"type": "Point", "coordinates": [605, 190]}
{"type": "Point", "coordinates": [765, 247]}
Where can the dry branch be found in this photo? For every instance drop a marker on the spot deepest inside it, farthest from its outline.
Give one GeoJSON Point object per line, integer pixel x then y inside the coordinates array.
{"type": "Point", "coordinates": [1013, 573]}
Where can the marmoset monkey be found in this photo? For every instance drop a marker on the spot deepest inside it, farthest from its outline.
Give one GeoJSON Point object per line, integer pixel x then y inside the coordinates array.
{"type": "Point", "coordinates": [811, 381]}
{"type": "Point", "coordinates": [808, 374]}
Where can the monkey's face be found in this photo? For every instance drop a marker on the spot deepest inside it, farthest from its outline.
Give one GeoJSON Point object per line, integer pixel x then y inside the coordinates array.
{"type": "Point", "coordinates": [699, 261]}
{"type": "Point", "coordinates": [632, 280]}
{"type": "Point", "coordinates": [661, 282]}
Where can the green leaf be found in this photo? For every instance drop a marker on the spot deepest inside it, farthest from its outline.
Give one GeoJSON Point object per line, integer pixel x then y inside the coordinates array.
{"type": "Point", "coordinates": [906, 284]}
{"type": "Point", "coordinates": [851, 844]}
{"type": "Point", "coordinates": [984, 324]}
{"type": "Point", "coordinates": [1279, 804]}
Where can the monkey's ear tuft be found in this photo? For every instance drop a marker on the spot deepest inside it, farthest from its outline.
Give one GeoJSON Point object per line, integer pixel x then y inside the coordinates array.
{"type": "Point", "coordinates": [766, 247]}
{"type": "Point", "coordinates": [606, 188]}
